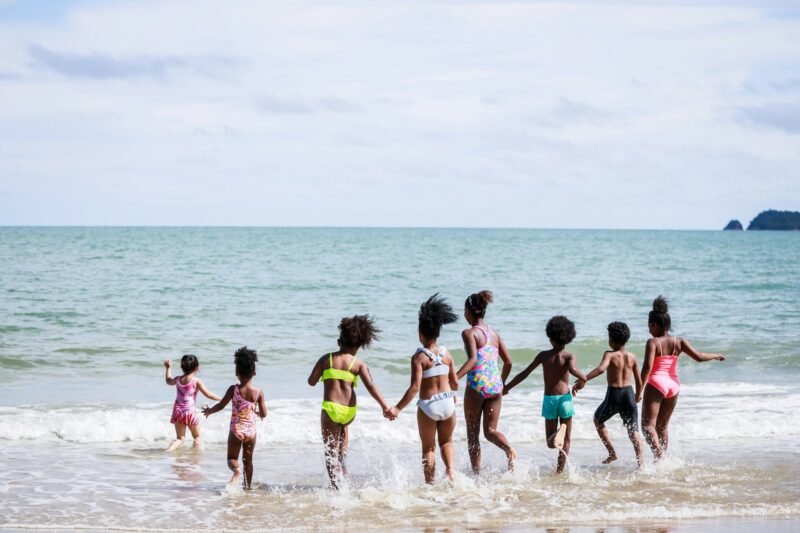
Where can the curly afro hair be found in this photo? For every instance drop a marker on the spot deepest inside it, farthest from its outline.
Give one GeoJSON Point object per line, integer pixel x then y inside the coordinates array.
{"type": "Point", "coordinates": [357, 332]}
{"type": "Point", "coordinates": [245, 361]}
{"type": "Point", "coordinates": [433, 314]}
{"type": "Point", "coordinates": [660, 314]}
{"type": "Point", "coordinates": [619, 333]}
{"type": "Point", "coordinates": [560, 330]}
{"type": "Point", "coordinates": [478, 302]}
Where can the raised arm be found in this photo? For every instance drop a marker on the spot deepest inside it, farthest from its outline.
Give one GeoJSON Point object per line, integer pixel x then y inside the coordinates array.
{"type": "Point", "coordinates": [316, 373]}
{"type": "Point", "coordinates": [219, 406]}
{"type": "Point", "coordinates": [207, 393]}
{"type": "Point", "coordinates": [519, 378]}
{"type": "Point", "coordinates": [472, 353]}
{"type": "Point", "coordinates": [366, 378]}
{"type": "Point", "coordinates": [262, 405]}
{"type": "Point", "coordinates": [685, 346]}
{"type": "Point", "coordinates": [505, 357]}
{"type": "Point", "coordinates": [413, 388]}
{"type": "Point", "coordinates": [168, 377]}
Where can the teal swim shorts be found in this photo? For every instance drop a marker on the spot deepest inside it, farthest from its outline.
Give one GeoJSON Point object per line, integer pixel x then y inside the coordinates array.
{"type": "Point", "coordinates": [554, 407]}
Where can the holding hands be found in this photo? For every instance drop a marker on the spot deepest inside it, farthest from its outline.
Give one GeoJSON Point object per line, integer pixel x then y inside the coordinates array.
{"type": "Point", "coordinates": [579, 384]}
{"type": "Point", "coordinates": [391, 413]}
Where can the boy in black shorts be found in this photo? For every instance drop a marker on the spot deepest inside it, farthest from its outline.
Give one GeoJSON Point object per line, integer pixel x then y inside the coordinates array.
{"type": "Point", "coordinates": [620, 396]}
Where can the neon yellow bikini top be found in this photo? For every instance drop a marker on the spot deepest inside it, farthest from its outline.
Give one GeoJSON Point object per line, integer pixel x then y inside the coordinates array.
{"type": "Point", "coordinates": [335, 373]}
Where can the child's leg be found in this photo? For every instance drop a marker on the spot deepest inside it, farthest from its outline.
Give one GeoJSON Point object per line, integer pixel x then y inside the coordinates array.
{"type": "Point", "coordinates": [234, 447]}
{"type": "Point", "coordinates": [195, 430]}
{"type": "Point", "coordinates": [344, 443]}
{"type": "Point", "coordinates": [562, 456]}
{"type": "Point", "coordinates": [662, 421]}
{"type": "Point", "coordinates": [473, 403]}
{"type": "Point", "coordinates": [550, 431]}
{"type": "Point", "coordinates": [637, 445]}
{"type": "Point", "coordinates": [247, 458]}
{"type": "Point", "coordinates": [332, 439]}
{"type": "Point", "coordinates": [491, 417]}
{"type": "Point", "coordinates": [602, 431]}
{"type": "Point", "coordinates": [180, 433]}
{"type": "Point", "coordinates": [651, 404]}
{"type": "Point", "coordinates": [445, 429]}
{"type": "Point", "coordinates": [427, 435]}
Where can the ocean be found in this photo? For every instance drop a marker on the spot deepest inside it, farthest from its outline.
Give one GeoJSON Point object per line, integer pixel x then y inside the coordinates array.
{"type": "Point", "coordinates": [87, 315]}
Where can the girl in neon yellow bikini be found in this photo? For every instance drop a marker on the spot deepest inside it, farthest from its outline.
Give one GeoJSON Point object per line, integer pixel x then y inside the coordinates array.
{"type": "Point", "coordinates": [339, 371]}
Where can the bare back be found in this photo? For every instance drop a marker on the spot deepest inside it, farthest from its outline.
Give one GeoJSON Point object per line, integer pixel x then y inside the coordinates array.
{"type": "Point", "coordinates": [621, 365]}
{"type": "Point", "coordinates": [556, 366]}
{"type": "Point", "coordinates": [338, 390]}
{"type": "Point", "coordinates": [433, 385]}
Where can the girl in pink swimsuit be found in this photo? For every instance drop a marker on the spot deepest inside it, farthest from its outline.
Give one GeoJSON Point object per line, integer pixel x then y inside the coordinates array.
{"type": "Point", "coordinates": [660, 373]}
{"type": "Point", "coordinates": [183, 410]}
{"type": "Point", "coordinates": [247, 401]}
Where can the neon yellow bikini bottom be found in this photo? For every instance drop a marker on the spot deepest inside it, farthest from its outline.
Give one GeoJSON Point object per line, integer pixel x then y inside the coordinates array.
{"type": "Point", "coordinates": [340, 414]}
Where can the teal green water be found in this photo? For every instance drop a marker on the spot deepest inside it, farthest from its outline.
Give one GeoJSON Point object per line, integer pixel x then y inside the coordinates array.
{"type": "Point", "coordinates": [122, 299]}
{"type": "Point", "coordinates": [88, 314]}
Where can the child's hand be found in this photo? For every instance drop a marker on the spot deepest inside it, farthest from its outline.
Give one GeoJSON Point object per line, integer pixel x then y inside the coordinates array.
{"type": "Point", "coordinates": [720, 357]}
{"type": "Point", "coordinates": [167, 363]}
{"type": "Point", "coordinates": [392, 413]}
{"type": "Point", "coordinates": [639, 397]}
{"type": "Point", "coordinates": [206, 411]}
{"type": "Point", "coordinates": [579, 384]}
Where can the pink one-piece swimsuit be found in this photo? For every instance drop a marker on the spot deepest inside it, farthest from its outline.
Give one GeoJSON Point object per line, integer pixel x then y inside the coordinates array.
{"type": "Point", "coordinates": [664, 376]}
{"type": "Point", "coordinates": [183, 411]}
{"type": "Point", "coordinates": [243, 417]}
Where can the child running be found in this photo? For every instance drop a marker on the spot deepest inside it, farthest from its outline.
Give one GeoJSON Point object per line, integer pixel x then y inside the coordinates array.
{"type": "Point", "coordinates": [433, 375]}
{"type": "Point", "coordinates": [483, 396]}
{"type": "Point", "coordinates": [183, 410]}
{"type": "Point", "coordinates": [620, 397]}
{"type": "Point", "coordinates": [340, 371]}
{"type": "Point", "coordinates": [557, 365]}
{"type": "Point", "coordinates": [247, 402]}
{"type": "Point", "coordinates": [660, 373]}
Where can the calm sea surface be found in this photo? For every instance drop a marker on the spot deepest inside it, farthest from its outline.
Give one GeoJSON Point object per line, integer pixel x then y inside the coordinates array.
{"type": "Point", "coordinates": [88, 314]}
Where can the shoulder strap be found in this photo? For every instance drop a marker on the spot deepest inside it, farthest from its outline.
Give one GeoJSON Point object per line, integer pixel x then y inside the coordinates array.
{"type": "Point", "coordinates": [659, 346]}
{"type": "Point", "coordinates": [485, 331]}
{"type": "Point", "coordinates": [426, 352]}
{"type": "Point", "coordinates": [442, 351]}
{"type": "Point", "coordinates": [675, 345]}
{"type": "Point", "coordinates": [352, 363]}
{"type": "Point", "coordinates": [330, 360]}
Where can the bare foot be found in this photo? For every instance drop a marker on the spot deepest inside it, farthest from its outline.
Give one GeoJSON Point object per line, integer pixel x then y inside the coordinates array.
{"type": "Point", "coordinates": [235, 478]}
{"type": "Point", "coordinates": [610, 459]}
{"type": "Point", "coordinates": [197, 445]}
{"type": "Point", "coordinates": [451, 477]}
{"type": "Point", "coordinates": [511, 455]}
{"type": "Point", "coordinates": [174, 445]}
{"type": "Point", "coordinates": [558, 440]}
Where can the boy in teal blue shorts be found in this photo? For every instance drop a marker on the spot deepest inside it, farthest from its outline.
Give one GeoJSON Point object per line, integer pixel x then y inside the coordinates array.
{"type": "Point", "coordinates": [557, 365]}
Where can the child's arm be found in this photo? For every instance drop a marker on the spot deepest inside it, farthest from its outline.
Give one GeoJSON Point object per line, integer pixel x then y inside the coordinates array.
{"type": "Point", "coordinates": [472, 353]}
{"type": "Point", "coordinates": [316, 373]}
{"type": "Point", "coordinates": [519, 378]}
{"type": "Point", "coordinates": [413, 388]}
{"type": "Point", "coordinates": [168, 377]}
{"type": "Point", "coordinates": [363, 372]}
{"type": "Point", "coordinates": [262, 405]}
{"type": "Point", "coordinates": [207, 393]}
{"type": "Point", "coordinates": [505, 357]}
{"type": "Point", "coordinates": [602, 367]}
{"type": "Point", "coordinates": [452, 376]}
{"type": "Point", "coordinates": [683, 345]}
{"type": "Point", "coordinates": [574, 370]}
{"type": "Point", "coordinates": [207, 411]}
{"type": "Point", "coordinates": [638, 379]}
{"type": "Point", "coordinates": [647, 364]}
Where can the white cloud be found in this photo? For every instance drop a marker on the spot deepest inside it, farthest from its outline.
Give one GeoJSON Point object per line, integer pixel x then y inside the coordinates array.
{"type": "Point", "coordinates": [516, 114]}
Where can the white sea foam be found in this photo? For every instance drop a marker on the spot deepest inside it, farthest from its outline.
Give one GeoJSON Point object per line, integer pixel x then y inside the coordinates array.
{"type": "Point", "coordinates": [705, 411]}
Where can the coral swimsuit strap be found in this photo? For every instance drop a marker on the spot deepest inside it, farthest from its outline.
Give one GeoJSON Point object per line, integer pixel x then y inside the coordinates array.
{"type": "Point", "coordinates": [674, 348]}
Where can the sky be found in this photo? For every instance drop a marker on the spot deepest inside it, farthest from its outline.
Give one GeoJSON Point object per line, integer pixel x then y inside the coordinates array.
{"type": "Point", "coordinates": [592, 114]}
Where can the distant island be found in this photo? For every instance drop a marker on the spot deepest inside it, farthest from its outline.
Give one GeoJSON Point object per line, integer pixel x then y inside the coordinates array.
{"type": "Point", "coordinates": [776, 220]}
{"type": "Point", "coordinates": [733, 225]}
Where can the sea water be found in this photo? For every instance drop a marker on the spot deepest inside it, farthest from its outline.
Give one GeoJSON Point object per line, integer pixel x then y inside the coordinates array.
{"type": "Point", "coordinates": [87, 315]}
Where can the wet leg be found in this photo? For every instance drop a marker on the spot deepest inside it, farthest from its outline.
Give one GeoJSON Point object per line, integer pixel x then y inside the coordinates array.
{"type": "Point", "coordinates": [662, 421]}
{"type": "Point", "coordinates": [180, 434]}
{"type": "Point", "coordinates": [651, 405]}
{"type": "Point", "coordinates": [247, 459]}
{"type": "Point", "coordinates": [195, 430]}
{"type": "Point", "coordinates": [445, 429]}
{"type": "Point", "coordinates": [473, 403]}
{"type": "Point", "coordinates": [331, 438]}
{"type": "Point", "coordinates": [602, 431]}
{"type": "Point", "coordinates": [234, 447]}
{"type": "Point", "coordinates": [427, 435]}
{"type": "Point", "coordinates": [491, 417]}
{"type": "Point", "coordinates": [564, 452]}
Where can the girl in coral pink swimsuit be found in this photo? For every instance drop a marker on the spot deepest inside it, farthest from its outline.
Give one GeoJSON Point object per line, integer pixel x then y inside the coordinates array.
{"type": "Point", "coordinates": [660, 373]}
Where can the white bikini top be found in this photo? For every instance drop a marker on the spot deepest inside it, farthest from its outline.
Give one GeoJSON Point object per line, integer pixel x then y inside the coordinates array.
{"type": "Point", "coordinates": [438, 368]}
